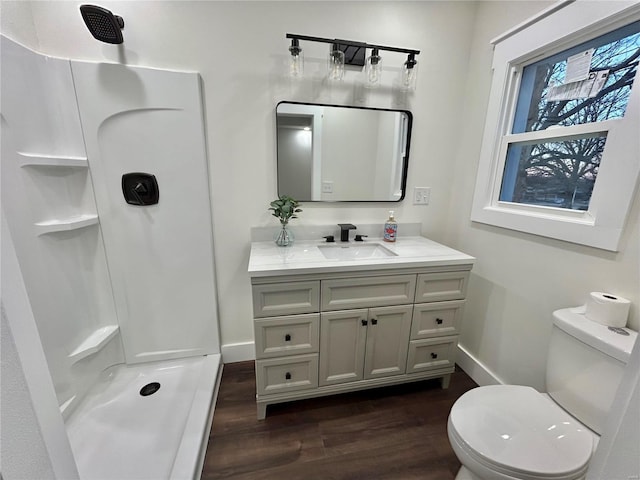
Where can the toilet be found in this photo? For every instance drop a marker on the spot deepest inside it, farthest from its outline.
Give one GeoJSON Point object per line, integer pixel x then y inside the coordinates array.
{"type": "Point", "coordinates": [512, 432]}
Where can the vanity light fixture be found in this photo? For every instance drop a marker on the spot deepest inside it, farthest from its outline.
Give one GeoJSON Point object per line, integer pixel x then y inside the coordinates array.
{"type": "Point", "coordinates": [409, 73]}
{"type": "Point", "coordinates": [335, 63]}
{"type": "Point", "coordinates": [296, 60]}
{"type": "Point", "coordinates": [373, 68]}
{"type": "Point", "coordinates": [348, 52]}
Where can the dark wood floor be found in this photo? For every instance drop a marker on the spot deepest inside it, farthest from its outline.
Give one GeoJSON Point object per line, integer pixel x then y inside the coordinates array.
{"type": "Point", "coordinates": [395, 432]}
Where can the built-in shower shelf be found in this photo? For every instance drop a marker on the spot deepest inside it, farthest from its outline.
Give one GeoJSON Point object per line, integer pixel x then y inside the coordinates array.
{"type": "Point", "coordinates": [94, 342]}
{"type": "Point", "coordinates": [72, 223]}
{"type": "Point", "coordinates": [38, 160]}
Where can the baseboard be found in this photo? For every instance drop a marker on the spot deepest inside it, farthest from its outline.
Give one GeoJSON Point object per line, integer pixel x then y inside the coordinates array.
{"type": "Point", "coordinates": [238, 352]}
{"type": "Point", "coordinates": [478, 371]}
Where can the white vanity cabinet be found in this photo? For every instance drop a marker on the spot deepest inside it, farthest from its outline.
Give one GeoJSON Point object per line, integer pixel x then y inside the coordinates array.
{"type": "Point", "coordinates": [332, 332]}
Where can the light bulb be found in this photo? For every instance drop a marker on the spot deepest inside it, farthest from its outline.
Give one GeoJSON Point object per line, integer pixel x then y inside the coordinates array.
{"type": "Point", "coordinates": [373, 68]}
{"type": "Point", "coordinates": [296, 59]}
{"type": "Point", "coordinates": [335, 64]}
{"type": "Point", "coordinates": [409, 73]}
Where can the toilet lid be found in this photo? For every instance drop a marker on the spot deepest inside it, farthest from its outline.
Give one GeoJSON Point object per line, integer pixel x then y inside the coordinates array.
{"type": "Point", "coordinates": [515, 429]}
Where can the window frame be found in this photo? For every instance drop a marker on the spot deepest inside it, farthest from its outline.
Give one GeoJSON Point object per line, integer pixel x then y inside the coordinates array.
{"type": "Point", "coordinates": [564, 25]}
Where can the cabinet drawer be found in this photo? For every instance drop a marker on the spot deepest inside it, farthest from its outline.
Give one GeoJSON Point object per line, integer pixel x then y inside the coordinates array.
{"type": "Point", "coordinates": [288, 374]}
{"type": "Point", "coordinates": [368, 292]}
{"type": "Point", "coordinates": [431, 354]}
{"type": "Point", "coordinates": [436, 319]}
{"type": "Point", "coordinates": [292, 335]}
{"type": "Point", "coordinates": [438, 287]}
{"type": "Point", "coordinates": [289, 298]}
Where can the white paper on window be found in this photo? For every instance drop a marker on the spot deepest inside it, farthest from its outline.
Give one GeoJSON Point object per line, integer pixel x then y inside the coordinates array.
{"type": "Point", "coordinates": [587, 88]}
{"type": "Point", "coordinates": [578, 66]}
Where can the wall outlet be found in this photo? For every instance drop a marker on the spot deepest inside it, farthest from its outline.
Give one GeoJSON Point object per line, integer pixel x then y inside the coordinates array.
{"type": "Point", "coordinates": [421, 195]}
{"type": "Point", "coordinates": [327, 186]}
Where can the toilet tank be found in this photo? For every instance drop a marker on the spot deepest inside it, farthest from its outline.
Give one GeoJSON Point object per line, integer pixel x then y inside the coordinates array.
{"type": "Point", "coordinates": [585, 364]}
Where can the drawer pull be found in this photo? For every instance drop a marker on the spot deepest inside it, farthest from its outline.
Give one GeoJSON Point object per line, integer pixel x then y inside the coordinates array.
{"type": "Point", "coordinates": [287, 338]}
{"type": "Point", "coordinates": [364, 323]}
{"type": "Point", "coordinates": [374, 321]}
{"type": "Point", "coordinates": [287, 376]}
{"type": "Point", "coordinates": [434, 355]}
{"type": "Point", "coordinates": [439, 321]}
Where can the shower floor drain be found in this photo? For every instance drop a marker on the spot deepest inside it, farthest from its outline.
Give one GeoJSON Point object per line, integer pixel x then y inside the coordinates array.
{"type": "Point", "coordinates": [149, 389]}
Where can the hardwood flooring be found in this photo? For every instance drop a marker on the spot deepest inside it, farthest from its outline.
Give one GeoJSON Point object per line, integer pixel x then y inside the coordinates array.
{"type": "Point", "coordinates": [397, 432]}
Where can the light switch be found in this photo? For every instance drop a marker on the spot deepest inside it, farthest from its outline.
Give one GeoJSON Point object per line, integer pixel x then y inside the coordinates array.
{"type": "Point", "coordinates": [421, 195]}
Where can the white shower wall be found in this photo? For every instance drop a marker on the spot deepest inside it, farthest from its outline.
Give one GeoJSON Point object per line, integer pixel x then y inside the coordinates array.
{"type": "Point", "coordinates": [142, 277]}
{"type": "Point", "coordinates": [46, 181]}
{"type": "Point", "coordinates": [160, 256]}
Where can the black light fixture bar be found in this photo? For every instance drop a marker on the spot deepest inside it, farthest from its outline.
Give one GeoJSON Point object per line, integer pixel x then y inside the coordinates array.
{"type": "Point", "coordinates": [351, 43]}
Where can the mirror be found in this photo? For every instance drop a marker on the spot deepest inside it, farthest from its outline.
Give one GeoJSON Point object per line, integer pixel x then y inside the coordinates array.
{"type": "Point", "coordinates": [332, 153]}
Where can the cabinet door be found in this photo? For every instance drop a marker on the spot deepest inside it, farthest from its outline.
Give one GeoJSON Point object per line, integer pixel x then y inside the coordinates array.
{"type": "Point", "coordinates": [387, 341]}
{"type": "Point", "coordinates": [342, 343]}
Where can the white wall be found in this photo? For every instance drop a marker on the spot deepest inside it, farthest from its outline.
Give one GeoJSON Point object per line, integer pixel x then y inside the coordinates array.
{"type": "Point", "coordinates": [295, 162]}
{"type": "Point", "coordinates": [240, 50]}
{"type": "Point", "coordinates": [519, 279]}
{"type": "Point", "coordinates": [348, 158]}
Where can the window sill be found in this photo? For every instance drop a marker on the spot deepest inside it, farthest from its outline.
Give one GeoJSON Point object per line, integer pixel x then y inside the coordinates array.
{"type": "Point", "coordinates": [581, 228]}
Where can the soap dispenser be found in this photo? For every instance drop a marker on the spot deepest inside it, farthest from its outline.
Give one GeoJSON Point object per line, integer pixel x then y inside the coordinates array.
{"type": "Point", "coordinates": [390, 228]}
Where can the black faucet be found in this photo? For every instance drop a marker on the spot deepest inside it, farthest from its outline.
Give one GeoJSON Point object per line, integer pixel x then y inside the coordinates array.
{"type": "Point", "coordinates": [344, 231]}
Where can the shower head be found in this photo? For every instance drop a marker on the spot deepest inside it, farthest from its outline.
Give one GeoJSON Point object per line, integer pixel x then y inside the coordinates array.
{"type": "Point", "coordinates": [103, 25]}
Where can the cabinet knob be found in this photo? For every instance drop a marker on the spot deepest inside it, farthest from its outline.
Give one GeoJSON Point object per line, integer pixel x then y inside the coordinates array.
{"type": "Point", "coordinates": [374, 321]}
{"type": "Point", "coordinates": [434, 355]}
{"type": "Point", "coordinates": [287, 338]}
{"type": "Point", "coordinates": [364, 323]}
{"type": "Point", "coordinates": [439, 321]}
{"type": "Point", "coordinates": [287, 376]}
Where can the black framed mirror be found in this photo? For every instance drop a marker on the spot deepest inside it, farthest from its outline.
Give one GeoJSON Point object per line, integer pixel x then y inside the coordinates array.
{"type": "Point", "coordinates": [334, 153]}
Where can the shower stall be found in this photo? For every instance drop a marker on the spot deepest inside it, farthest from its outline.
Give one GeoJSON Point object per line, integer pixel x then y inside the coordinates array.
{"type": "Point", "coordinates": [105, 197]}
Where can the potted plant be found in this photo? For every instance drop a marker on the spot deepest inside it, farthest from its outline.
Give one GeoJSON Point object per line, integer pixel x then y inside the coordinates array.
{"type": "Point", "coordinates": [284, 208]}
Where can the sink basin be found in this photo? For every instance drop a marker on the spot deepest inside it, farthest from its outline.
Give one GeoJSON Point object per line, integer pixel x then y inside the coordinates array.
{"type": "Point", "coordinates": [355, 252]}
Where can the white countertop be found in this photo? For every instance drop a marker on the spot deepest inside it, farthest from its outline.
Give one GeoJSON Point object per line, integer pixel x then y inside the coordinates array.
{"type": "Point", "coordinates": [267, 259]}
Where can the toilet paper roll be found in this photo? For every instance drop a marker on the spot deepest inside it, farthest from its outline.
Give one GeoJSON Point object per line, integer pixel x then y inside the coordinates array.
{"type": "Point", "coordinates": [607, 309]}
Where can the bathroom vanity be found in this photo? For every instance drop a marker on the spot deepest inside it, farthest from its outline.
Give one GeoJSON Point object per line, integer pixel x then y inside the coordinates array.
{"type": "Point", "coordinates": [333, 318]}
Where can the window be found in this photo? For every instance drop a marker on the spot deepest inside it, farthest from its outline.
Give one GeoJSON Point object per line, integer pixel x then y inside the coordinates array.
{"type": "Point", "coordinates": [559, 158]}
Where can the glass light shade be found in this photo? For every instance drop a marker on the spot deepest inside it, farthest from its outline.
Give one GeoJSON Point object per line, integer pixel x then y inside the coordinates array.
{"type": "Point", "coordinates": [373, 69]}
{"type": "Point", "coordinates": [409, 75]}
{"type": "Point", "coordinates": [335, 64]}
{"type": "Point", "coordinates": [296, 61]}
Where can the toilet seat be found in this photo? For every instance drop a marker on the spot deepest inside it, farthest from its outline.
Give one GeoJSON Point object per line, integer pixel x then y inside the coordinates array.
{"type": "Point", "coordinates": [517, 432]}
